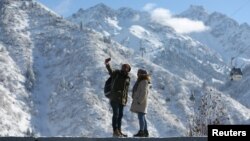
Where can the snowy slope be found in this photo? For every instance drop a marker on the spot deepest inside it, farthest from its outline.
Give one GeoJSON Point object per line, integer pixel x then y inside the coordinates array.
{"type": "Point", "coordinates": [229, 39]}
{"type": "Point", "coordinates": [16, 75]}
{"type": "Point", "coordinates": [160, 44]}
{"type": "Point", "coordinates": [56, 69]}
{"type": "Point", "coordinates": [59, 61]}
{"type": "Point", "coordinates": [14, 99]}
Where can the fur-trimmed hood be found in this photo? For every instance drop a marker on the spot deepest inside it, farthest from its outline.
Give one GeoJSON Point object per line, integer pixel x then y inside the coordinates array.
{"type": "Point", "coordinates": [144, 77]}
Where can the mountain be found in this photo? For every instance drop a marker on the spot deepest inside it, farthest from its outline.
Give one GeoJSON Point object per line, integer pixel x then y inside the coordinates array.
{"type": "Point", "coordinates": [53, 72]}
{"type": "Point", "coordinates": [205, 57]}
{"type": "Point", "coordinates": [54, 68]}
{"type": "Point", "coordinates": [230, 40]}
{"type": "Point", "coordinates": [225, 35]}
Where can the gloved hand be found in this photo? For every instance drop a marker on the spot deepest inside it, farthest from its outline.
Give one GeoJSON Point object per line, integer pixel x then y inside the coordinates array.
{"type": "Point", "coordinates": [107, 60]}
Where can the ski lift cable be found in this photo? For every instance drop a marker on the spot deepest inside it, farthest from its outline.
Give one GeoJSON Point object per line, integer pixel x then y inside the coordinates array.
{"type": "Point", "coordinates": [232, 60]}
{"type": "Point", "coordinates": [240, 8]}
{"type": "Point", "coordinates": [236, 56]}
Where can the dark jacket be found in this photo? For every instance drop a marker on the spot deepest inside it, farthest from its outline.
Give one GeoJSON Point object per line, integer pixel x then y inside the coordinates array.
{"type": "Point", "coordinates": [120, 85]}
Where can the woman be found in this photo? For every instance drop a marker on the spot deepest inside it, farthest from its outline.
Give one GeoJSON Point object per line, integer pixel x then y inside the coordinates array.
{"type": "Point", "coordinates": [139, 103]}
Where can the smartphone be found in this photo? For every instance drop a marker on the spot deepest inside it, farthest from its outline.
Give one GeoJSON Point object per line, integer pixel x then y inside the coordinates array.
{"type": "Point", "coordinates": [108, 59]}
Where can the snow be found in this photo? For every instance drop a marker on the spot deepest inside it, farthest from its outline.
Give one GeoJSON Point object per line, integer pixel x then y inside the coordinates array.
{"type": "Point", "coordinates": [41, 95]}
{"type": "Point", "coordinates": [15, 117]}
{"type": "Point", "coordinates": [52, 72]}
{"type": "Point", "coordinates": [113, 23]}
{"type": "Point", "coordinates": [241, 62]}
{"type": "Point", "coordinates": [138, 31]}
{"type": "Point", "coordinates": [225, 36]}
{"type": "Point", "coordinates": [143, 34]}
{"type": "Point", "coordinates": [47, 9]}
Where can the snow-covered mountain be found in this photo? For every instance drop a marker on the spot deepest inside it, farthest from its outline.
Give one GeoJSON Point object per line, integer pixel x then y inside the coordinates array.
{"type": "Point", "coordinates": [14, 99]}
{"type": "Point", "coordinates": [52, 72]}
{"type": "Point", "coordinates": [230, 40]}
{"type": "Point", "coordinates": [196, 52]}
{"type": "Point", "coordinates": [226, 36]}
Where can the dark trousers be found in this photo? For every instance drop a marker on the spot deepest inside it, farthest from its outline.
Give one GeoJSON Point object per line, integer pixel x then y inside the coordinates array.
{"type": "Point", "coordinates": [117, 115]}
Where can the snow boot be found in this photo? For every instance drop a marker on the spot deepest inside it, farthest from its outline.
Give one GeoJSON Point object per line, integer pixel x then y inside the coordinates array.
{"type": "Point", "coordinates": [117, 133]}
{"type": "Point", "coordinates": [123, 135]}
{"type": "Point", "coordinates": [140, 134]}
{"type": "Point", "coordinates": [146, 133]}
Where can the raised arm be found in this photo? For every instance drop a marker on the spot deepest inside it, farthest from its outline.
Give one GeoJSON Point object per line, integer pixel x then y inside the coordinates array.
{"type": "Point", "coordinates": [110, 70]}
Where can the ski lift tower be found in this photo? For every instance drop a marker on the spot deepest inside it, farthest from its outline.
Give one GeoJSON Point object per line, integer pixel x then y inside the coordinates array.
{"type": "Point", "coordinates": [142, 49]}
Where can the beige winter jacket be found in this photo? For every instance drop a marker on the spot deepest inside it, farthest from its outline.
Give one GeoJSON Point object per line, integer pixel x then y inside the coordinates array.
{"type": "Point", "coordinates": [140, 96]}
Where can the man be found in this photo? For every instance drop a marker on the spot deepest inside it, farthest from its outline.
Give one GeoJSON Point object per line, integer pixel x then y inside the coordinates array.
{"type": "Point", "coordinates": [119, 95]}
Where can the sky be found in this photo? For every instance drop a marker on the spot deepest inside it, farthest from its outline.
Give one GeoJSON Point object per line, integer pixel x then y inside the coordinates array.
{"type": "Point", "coordinates": [236, 9]}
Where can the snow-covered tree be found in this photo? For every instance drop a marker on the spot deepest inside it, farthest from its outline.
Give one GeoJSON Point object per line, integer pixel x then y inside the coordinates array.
{"type": "Point", "coordinates": [30, 78]}
{"type": "Point", "coordinates": [209, 110]}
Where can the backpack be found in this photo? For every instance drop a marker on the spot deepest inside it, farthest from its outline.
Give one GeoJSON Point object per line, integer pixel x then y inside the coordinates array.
{"type": "Point", "coordinates": [108, 87]}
